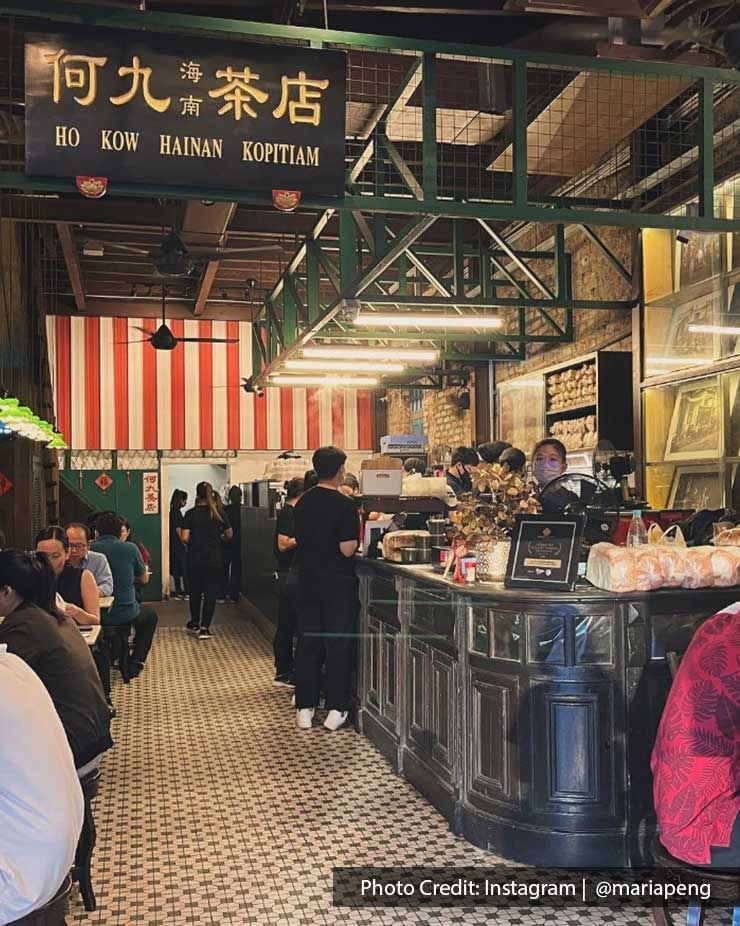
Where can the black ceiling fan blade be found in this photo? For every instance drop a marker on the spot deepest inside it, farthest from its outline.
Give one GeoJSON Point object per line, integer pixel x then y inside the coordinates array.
{"type": "Point", "coordinates": [142, 341]}
{"type": "Point", "coordinates": [118, 247]}
{"type": "Point", "coordinates": [234, 253]}
{"type": "Point", "coordinates": [142, 328]}
{"type": "Point", "coordinates": [211, 340]}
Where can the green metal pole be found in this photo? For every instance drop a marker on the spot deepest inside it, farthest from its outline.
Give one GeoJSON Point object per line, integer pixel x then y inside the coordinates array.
{"type": "Point", "coordinates": [519, 116]}
{"type": "Point", "coordinates": [561, 281]}
{"type": "Point", "coordinates": [458, 260]}
{"type": "Point", "coordinates": [313, 291]}
{"type": "Point", "coordinates": [347, 251]}
{"type": "Point", "coordinates": [706, 148]}
{"type": "Point", "coordinates": [290, 315]}
{"type": "Point", "coordinates": [429, 128]}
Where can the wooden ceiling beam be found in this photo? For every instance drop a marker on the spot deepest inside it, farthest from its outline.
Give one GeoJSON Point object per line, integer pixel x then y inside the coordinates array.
{"type": "Point", "coordinates": [206, 283]}
{"type": "Point", "coordinates": [213, 221]}
{"type": "Point", "coordinates": [71, 260]}
{"type": "Point", "coordinates": [116, 307]}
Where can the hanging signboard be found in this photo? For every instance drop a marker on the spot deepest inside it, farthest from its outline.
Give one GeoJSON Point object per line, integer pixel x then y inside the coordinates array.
{"type": "Point", "coordinates": [150, 491]}
{"type": "Point", "coordinates": [138, 108]}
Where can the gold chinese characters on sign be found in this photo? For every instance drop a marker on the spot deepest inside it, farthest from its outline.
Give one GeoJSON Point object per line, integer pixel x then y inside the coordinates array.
{"type": "Point", "coordinates": [238, 89]}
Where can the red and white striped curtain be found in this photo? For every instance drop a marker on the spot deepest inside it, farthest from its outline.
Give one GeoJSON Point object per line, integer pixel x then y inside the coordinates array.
{"type": "Point", "coordinates": [113, 391]}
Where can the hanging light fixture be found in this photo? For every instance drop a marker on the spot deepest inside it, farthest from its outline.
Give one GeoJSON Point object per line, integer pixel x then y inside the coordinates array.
{"type": "Point", "coordinates": [424, 320]}
{"type": "Point", "coordinates": [348, 366]}
{"type": "Point", "coordinates": [357, 352]}
{"type": "Point", "coordinates": [358, 381]}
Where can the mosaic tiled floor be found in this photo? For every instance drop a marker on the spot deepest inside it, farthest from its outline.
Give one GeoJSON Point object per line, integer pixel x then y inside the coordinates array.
{"type": "Point", "coordinates": [214, 809]}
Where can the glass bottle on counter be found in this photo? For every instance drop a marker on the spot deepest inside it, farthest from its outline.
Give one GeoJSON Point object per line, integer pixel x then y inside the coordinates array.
{"type": "Point", "coordinates": [637, 532]}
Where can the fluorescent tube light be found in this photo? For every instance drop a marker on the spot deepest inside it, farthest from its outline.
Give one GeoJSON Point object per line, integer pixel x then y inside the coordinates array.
{"type": "Point", "coordinates": [714, 329]}
{"type": "Point", "coordinates": [358, 381]}
{"type": "Point", "coordinates": [404, 320]}
{"type": "Point", "coordinates": [372, 353]}
{"type": "Point", "coordinates": [345, 366]}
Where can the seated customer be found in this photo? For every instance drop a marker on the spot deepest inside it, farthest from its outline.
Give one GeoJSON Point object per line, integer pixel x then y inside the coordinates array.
{"type": "Point", "coordinates": [77, 593]}
{"type": "Point", "coordinates": [128, 570]}
{"type": "Point", "coordinates": [82, 557]}
{"type": "Point", "coordinates": [696, 758]}
{"type": "Point", "coordinates": [77, 597]}
{"type": "Point", "coordinates": [53, 647]}
{"type": "Point", "coordinates": [41, 804]}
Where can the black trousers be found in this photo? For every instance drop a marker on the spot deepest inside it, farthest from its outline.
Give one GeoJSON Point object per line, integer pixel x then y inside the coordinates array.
{"type": "Point", "coordinates": [205, 581]}
{"type": "Point", "coordinates": [233, 558]}
{"type": "Point", "coordinates": [327, 625]}
{"type": "Point", "coordinates": [101, 656]}
{"type": "Point", "coordinates": [282, 645]}
{"type": "Point", "coordinates": [144, 626]}
{"type": "Point", "coordinates": [177, 569]}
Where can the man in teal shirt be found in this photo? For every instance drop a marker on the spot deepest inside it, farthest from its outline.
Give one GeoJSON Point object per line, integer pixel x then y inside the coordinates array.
{"type": "Point", "coordinates": [128, 570]}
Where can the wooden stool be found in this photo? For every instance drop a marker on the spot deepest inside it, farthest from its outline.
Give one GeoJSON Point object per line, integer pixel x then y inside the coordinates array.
{"type": "Point", "coordinates": [52, 913]}
{"type": "Point", "coordinates": [724, 886]}
{"type": "Point", "coordinates": [86, 843]}
{"type": "Point", "coordinates": [117, 640]}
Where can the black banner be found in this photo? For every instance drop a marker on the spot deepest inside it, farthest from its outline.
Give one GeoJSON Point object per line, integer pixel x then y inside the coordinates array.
{"type": "Point", "coordinates": [174, 110]}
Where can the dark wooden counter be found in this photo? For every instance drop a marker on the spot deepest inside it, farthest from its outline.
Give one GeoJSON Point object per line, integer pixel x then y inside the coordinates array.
{"type": "Point", "coordinates": [526, 718]}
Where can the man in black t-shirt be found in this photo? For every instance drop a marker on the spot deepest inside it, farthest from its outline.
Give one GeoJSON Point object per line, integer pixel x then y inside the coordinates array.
{"type": "Point", "coordinates": [285, 547]}
{"type": "Point", "coordinates": [327, 532]}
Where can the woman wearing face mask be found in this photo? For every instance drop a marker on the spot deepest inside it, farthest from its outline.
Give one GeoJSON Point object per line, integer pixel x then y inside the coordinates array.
{"type": "Point", "coordinates": [549, 460]}
{"type": "Point", "coordinates": [53, 647]}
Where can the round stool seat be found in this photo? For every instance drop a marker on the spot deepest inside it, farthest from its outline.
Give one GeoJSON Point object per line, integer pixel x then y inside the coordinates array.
{"type": "Point", "coordinates": [724, 883]}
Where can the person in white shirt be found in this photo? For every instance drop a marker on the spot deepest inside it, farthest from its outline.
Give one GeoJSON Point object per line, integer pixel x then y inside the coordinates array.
{"type": "Point", "coordinates": [41, 804]}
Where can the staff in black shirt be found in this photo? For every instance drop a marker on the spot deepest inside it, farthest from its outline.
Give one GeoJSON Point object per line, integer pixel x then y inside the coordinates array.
{"type": "Point", "coordinates": [327, 531]}
{"type": "Point", "coordinates": [203, 529]}
{"type": "Point", "coordinates": [177, 547]}
{"type": "Point", "coordinates": [285, 547]}
{"type": "Point", "coordinates": [458, 475]}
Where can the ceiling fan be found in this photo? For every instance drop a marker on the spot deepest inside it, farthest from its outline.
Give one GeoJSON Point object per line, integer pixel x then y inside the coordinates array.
{"type": "Point", "coordinates": [171, 258]}
{"type": "Point", "coordinates": [164, 339]}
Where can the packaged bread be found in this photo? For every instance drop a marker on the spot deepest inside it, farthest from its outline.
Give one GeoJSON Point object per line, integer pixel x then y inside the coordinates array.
{"type": "Point", "coordinates": [728, 538]}
{"type": "Point", "coordinates": [648, 573]}
{"type": "Point", "coordinates": [674, 564]}
{"type": "Point", "coordinates": [725, 565]}
{"type": "Point", "coordinates": [611, 567]}
{"type": "Point", "coordinates": [699, 573]}
{"type": "Point", "coordinates": [393, 542]}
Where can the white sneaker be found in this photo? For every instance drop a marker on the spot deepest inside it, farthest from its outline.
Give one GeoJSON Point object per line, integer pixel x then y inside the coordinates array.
{"type": "Point", "coordinates": [335, 719]}
{"type": "Point", "coordinates": [304, 718]}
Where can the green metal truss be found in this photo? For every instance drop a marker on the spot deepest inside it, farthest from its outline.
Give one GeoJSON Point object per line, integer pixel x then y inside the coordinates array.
{"type": "Point", "coordinates": [315, 300]}
{"type": "Point", "coordinates": [519, 203]}
{"type": "Point", "coordinates": [383, 255]}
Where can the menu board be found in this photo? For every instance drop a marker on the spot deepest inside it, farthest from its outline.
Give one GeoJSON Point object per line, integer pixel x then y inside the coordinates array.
{"type": "Point", "coordinates": [544, 552]}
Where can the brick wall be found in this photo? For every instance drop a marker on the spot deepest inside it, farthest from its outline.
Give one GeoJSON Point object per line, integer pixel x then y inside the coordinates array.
{"type": "Point", "coordinates": [399, 411]}
{"type": "Point", "coordinates": [444, 422]}
{"type": "Point", "coordinates": [594, 329]}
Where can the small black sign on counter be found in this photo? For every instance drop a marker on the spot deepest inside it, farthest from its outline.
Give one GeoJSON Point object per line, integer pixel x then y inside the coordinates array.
{"type": "Point", "coordinates": [544, 552]}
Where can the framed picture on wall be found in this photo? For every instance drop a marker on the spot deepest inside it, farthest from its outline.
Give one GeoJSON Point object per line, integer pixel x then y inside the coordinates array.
{"type": "Point", "coordinates": [694, 432]}
{"type": "Point", "coordinates": [700, 258]}
{"type": "Point", "coordinates": [696, 487]}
